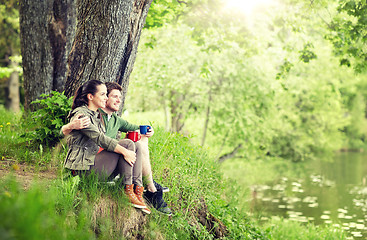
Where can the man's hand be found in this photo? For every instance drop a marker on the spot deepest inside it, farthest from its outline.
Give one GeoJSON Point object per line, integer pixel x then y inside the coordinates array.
{"type": "Point", "coordinates": [79, 122]}
{"type": "Point", "coordinates": [150, 132]}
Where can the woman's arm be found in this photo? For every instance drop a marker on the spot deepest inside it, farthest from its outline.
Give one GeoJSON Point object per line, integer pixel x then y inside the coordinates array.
{"type": "Point", "coordinates": [110, 144]}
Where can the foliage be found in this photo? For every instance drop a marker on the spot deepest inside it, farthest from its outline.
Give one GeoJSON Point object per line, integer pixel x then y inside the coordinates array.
{"type": "Point", "coordinates": [306, 54]}
{"type": "Point", "coordinates": [284, 69]}
{"type": "Point", "coordinates": [175, 81]}
{"type": "Point", "coordinates": [48, 119]}
{"type": "Point", "coordinates": [9, 28]}
{"type": "Point", "coordinates": [277, 100]}
{"type": "Point", "coordinates": [9, 36]}
{"type": "Point", "coordinates": [226, 59]}
{"type": "Point", "coordinates": [348, 34]}
{"type": "Point", "coordinates": [5, 72]}
{"type": "Point", "coordinates": [164, 11]}
{"type": "Point", "coordinates": [12, 127]}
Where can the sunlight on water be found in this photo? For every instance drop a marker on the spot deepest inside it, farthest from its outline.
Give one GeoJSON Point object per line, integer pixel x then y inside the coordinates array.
{"type": "Point", "coordinates": [336, 197]}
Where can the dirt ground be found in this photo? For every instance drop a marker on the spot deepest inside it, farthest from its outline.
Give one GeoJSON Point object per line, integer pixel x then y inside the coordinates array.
{"type": "Point", "coordinates": [25, 173]}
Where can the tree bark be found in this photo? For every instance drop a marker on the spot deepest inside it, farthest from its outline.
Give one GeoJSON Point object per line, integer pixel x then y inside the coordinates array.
{"type": "Point", "coordinates": [106, 41]}
{"type": "Point", "coordinates": [47, 29]}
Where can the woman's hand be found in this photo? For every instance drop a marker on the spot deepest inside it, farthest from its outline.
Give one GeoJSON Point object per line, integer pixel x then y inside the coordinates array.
{"type": "Point", "coordinates": [130, 157]}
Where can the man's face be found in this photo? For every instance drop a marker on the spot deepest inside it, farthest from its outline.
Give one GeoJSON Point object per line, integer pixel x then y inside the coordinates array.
{"type": "Point", "coordinates": [114, 100]}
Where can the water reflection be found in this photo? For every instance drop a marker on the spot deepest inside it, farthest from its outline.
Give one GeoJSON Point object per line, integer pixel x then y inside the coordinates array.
{"type": "Point", "coordinates": [333, 193]}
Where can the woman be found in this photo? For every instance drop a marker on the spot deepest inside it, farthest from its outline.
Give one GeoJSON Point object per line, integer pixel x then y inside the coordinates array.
{"type": "Point", "coordinates": [118, 157]}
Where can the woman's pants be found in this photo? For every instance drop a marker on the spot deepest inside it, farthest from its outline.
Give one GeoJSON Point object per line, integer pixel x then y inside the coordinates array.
{"type": "Point", "coordinates": [111, 163]}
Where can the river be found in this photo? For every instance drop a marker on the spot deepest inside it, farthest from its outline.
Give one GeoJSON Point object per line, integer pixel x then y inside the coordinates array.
{"type": "Point", "coordinates": [331, 192]}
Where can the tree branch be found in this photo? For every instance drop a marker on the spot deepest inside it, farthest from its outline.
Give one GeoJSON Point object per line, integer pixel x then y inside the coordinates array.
{"type": "Point", "coordinates": [231, 154]}
{"type": "Point", "coordinates": [182, 2]}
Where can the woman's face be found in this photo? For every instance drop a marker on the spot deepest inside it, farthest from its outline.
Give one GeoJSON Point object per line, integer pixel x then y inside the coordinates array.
{"type": "Point", "coordinates": [99, 99]}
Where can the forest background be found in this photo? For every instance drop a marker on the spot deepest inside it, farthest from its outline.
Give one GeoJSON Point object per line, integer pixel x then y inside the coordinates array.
{"type": "Point", "coordinates": [286, 83]}
{"type": "Point", "coordinates": [282, 82]}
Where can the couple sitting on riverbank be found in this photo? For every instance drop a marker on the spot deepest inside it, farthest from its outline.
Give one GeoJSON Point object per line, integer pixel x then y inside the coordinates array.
{"type": "Point", "coordinates": [93, 146]}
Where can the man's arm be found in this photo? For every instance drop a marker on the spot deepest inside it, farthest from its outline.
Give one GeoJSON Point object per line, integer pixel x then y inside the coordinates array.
{"type": "Point", "coordinates": [125, 126]}
{"type": "Point", "coordinates": [79, 122]}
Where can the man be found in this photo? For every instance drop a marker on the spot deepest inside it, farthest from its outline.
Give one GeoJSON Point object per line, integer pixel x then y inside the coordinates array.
{"type": "Point", "coordinates": [113, 124]}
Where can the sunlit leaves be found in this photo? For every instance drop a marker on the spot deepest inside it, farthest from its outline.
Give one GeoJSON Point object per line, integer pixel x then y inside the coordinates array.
{"type": "Point", "coordinates": [162, 12]}
{"type": "Point", "coordinates": [9, 27]}
{"type": "Point", "coordinates": [307, 54]}
{"type": "Point", "coordinates": [284, 69]}
{"type": "Point", "coordinates": [348, 34]}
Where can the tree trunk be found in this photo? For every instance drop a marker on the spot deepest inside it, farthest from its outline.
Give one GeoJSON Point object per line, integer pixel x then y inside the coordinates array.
{"type": "Point", "coordinates": [47, 29]}
{"type": "Point", "coordinates": [12, 102]}
{"type": "Point", "coordinates": [106, 41]}
{"type": "Point", "coordinates": [177, 115]}
{"type": "Point", "coordinates": [207, 117]}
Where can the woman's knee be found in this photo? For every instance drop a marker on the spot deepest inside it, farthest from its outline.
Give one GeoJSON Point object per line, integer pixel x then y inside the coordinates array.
{"type": "Point", "coordinates": [128, 144]}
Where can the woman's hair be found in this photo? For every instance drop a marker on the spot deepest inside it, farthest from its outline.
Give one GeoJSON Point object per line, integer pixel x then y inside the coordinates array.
{"type": "Point", "coordinates": [81, 95]}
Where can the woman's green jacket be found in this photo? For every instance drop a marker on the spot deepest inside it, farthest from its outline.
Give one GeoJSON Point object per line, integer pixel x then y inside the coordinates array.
{"type": "Point", "coordinates": [84, 143]}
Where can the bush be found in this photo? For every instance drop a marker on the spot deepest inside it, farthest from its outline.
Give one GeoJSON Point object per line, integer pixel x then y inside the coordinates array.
{"type": "Point", "coordinates": [50, 116]}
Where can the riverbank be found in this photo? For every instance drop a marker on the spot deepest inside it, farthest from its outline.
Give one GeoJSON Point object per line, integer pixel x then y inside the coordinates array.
{"type": "Point", "coordinates": [205, 204]}
{"type": "Point", "coordinates": [201, 211]}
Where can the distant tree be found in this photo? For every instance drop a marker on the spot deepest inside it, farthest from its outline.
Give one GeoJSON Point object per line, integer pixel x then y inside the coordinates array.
{"type": "Point", "coordinates": [9, 52]}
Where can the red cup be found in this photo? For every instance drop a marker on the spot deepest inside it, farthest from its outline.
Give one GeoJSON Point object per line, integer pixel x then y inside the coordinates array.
{"type": "Point", "coordinates": [133, 136]}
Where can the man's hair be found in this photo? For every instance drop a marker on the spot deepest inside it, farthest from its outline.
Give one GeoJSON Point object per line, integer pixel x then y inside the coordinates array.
{"type": "Point", "coordinates": [111, 86]}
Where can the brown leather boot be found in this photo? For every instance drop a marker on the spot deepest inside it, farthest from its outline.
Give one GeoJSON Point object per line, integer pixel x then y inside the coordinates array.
{"type": "Point", "coordinates": [139, 195]}
{"type": "Point", "coordinates": [129, 191]}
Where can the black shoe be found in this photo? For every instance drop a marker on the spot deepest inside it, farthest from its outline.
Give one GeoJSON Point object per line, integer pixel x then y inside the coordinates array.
{"type": "Point", "coordinates": [160, 187]}
{"type": "Point", "coordinates": [156, 200]}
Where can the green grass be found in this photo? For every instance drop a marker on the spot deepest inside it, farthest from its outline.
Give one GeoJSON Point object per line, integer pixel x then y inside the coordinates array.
{"type": "Point", "coordinates": [205, 204]}
{"type": "Point", "coordinates": [14, 146]}
{"type": "Point", "coordinates": [40, 214]}
{"type": "Point", "coordinates": [283, 229]}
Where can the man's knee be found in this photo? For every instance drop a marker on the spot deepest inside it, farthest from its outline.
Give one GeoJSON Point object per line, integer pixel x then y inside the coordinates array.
{"type": "Point", "coordinates": [144, 140]}
{"type": "Point", "coordinates": [138, 145]}
{"type": "Point", "coordinates": [142, 147]}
